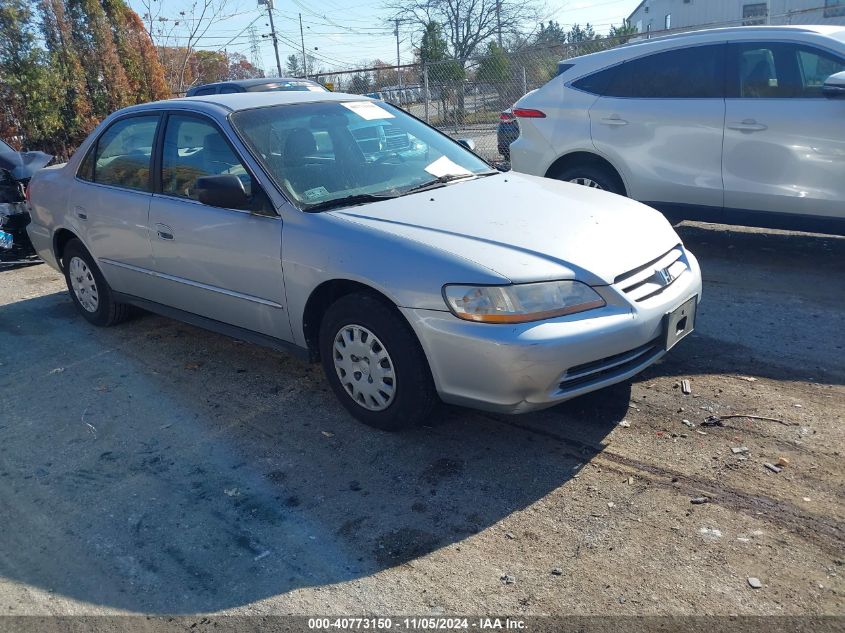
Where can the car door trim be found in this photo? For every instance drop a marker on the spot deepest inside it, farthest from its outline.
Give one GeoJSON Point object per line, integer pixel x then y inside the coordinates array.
{"type": "Point", "coordinates": [195, 284]}
{"type": "Point", "coordinates": [227, 329]}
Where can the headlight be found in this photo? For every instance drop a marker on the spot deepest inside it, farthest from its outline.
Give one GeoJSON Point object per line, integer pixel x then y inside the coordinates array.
{"type": "Point", "coordinates": [521, 302]}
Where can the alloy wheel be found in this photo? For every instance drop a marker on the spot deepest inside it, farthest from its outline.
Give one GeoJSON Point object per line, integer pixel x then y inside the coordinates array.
{"type": "Point", "coordinates": [587, 182]}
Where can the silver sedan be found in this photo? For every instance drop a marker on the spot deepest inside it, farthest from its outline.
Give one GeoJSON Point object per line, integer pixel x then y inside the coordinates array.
{"type": "Point", "coordinates": [343, 229]}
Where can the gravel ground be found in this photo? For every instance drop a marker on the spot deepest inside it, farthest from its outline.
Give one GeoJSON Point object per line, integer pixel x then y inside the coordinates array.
{"type": "Point", "coordinates": [157, 468]}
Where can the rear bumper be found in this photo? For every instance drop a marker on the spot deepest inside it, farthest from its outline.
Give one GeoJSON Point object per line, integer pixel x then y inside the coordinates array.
{"type": "Point", "coordinates": [42, 241]}
{"type": "Point", "coordinates": [520, 368]}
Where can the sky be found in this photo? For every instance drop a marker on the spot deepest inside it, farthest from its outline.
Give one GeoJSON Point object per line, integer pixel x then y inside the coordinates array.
{"type": "Point", "coordinates": [348, 34]}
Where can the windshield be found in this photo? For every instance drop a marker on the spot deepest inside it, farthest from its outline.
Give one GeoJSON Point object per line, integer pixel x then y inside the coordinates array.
{"type": "Point", "coordinates": [319, 153]}
{"type": "Point", "coordinates": [5, 148]}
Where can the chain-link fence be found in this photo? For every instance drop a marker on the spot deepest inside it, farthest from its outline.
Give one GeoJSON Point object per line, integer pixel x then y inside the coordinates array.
{"type": "Point", "coordinates": [467, 99]}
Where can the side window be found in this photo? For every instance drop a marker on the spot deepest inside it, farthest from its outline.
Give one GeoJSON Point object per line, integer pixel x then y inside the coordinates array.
{"type": "Point", "coordinates": [689, 73]}
{"type": "Point", "coordinates": [205, 91]}
{"type": "Point", "coordinates": [193, 148]}
{"type": "Point", "coordinates": [123, 153]}
{"type": "Point", "coordinates": [815, 67]}
{"type": "Point", "coordinates": [229, 90]}
{"type": "Point", "coordinates": [780, 70]}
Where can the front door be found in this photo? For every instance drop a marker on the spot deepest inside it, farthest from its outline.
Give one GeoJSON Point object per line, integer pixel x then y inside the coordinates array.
{"type": "Point", "coordinates": [660, 119]}
{"type": "Point", "coordinates": [784, 141]}
{"type": "Point", "coordinates": [220, 263]}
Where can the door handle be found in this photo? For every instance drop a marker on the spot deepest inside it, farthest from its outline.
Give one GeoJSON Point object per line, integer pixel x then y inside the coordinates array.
{"type": "Point", "coordinates": [614, 120]}
{"type": "Point", "coordinates": [164, 232]}
{"type": "Point", "coordinates": [748, 125]}
{"type": "Point", "coordinates": [80, 213]}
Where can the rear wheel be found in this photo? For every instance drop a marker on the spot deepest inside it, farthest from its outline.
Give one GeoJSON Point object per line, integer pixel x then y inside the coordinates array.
{"type": "Point", "coordinates": [593, 176]}
{"type": "Point", "coordinates": [89, 289]}
{"type": "Point", "coordinates": [375, 364]}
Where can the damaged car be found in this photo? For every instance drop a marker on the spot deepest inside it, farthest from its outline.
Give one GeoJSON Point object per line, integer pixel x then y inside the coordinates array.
{"type": "Point", "coordinates": [16, 169]}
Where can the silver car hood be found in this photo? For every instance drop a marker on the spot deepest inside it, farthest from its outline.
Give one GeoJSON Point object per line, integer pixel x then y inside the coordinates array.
{"type": "Point", "coordinates": [527, 228]}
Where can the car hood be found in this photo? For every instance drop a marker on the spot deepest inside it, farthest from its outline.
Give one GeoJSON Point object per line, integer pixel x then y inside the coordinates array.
{"type": "Point", "coordinates": [527, 228]}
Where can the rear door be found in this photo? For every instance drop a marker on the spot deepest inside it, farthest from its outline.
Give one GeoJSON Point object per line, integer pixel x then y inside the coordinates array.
{"type": "Point", "coordinates": [660, 120]}
{"type": "Point", "coordinates": [784, 145]}
{"type": "Point", "coordinates": [110, 200]}
{"type": "Point", "coordinates": [220, 263]}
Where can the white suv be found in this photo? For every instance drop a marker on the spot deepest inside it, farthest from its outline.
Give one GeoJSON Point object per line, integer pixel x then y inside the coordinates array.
{"type": "Point", "coordinates": [742, 125]}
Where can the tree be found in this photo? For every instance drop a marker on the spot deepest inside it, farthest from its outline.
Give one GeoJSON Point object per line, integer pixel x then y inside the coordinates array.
{"type": "Point", "coordinates": [359, 84]}
{"type": "Point", "coordinates": [495, 69]}
{"type": "Point", "coordinates": [207, 67]}
{"type": "Point", "coordinates": [621, 34]}
{"type": "Point", "coordinates": [176, 35]}
{"type": "Point", "coordinates": [29, 114]}
{"type": "Point", "coordinates": [577, 34]}
{"type": "Point", "coordinates": [467, 23]}
{"type": "Point", "coordinates": [241, 68]}
{"type": "Point", "coordinates": [292, 66]}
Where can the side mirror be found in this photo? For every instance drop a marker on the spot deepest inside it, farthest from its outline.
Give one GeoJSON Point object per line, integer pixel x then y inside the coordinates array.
{"type": "Point", "coordinates": [834, 86]}
{"type": "Point", "coordinates": [468, 143]}
{"type": "Point", "coordinates": [225, 191]}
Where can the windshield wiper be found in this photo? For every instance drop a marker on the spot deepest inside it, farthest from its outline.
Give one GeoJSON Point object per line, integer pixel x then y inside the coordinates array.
{"type": "Point", "coordinates": [440, 181]}
{"type": "Point", "coordinates": [348, 201]}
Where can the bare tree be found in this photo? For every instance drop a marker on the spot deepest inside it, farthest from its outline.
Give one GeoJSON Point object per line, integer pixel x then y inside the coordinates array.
{"type": "Point", "coordinates": [177, 34]}
{"type": "Point", "coordinates": [468, 23]}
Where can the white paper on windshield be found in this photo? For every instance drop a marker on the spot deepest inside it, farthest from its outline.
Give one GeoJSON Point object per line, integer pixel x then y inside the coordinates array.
{"type": "Point", "coordinates": [316, 193]}
{"type": "Point", "coordinates": [367, 110]}
{"type": "Point", "coordinates": [444, 166]}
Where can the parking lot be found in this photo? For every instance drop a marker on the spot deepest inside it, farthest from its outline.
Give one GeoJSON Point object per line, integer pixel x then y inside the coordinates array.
{"type": "Point", "coordinates": [158, 468]}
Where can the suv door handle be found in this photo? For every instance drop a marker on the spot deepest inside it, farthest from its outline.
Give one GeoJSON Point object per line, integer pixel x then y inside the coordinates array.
{"type": "Point", "coordinates": [614, 120]}
{"type": "Point", "coordinates": [80, 213]}
{"type": "Point", "coordinates": [164, 232]}
{"type": "Point", "coordinates": [748, 125]}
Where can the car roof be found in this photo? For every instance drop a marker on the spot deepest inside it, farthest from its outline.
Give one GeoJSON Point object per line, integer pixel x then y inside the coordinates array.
{"type": "Point", "coordinates": [259, 81]}
{"type": "Point", "coordinates": [705, 35]}
{"type": "Point", "coordinates": [247, 100]}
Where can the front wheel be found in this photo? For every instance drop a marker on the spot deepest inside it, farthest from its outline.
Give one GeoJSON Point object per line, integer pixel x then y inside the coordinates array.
{"type": "Point", "coordinates": [375, 364]}
{"type": "Point", "coordinates": [89, 289]}
{"type": "Point", "coordinates": [593, 176]}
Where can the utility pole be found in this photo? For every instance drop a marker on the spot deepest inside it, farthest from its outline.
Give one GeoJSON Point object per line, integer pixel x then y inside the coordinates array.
{"type": "Point", "coordinates": [269, 4]}
{"type": "Point", "coordinates": [499, 21]}
{"type": "Point", "coordinates": [398, 63]}
{"type": "Point", "coordinates": [302, 40]}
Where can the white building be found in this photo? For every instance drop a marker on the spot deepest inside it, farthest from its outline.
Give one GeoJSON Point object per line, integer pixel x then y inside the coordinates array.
{"type": "Point", "coordinates": [660, 15]}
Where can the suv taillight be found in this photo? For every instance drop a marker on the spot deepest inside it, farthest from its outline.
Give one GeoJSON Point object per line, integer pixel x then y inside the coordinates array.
{"type": "Point", "coordinates": [506, 116]}
{"type": "Point", "coordinates": [528, 113]}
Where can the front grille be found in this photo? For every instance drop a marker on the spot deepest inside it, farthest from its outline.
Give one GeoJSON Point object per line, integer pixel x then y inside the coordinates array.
{"type": "Point", "coordinates": [653, 277]}
{"type": "Point", "coordinates": [606, 368]}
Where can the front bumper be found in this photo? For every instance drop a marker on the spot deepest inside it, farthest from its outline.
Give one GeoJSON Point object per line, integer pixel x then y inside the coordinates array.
{"type": "Point", "coordinates": [530, 366]}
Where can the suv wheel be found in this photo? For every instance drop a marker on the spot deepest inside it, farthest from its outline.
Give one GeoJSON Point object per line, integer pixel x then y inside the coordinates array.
{"type": "Point", "coordinates": [89, 289]}
{"type": "Point", "coordinates": [593, 176]}
{"type": "Point", "coordinates": [375, 364]}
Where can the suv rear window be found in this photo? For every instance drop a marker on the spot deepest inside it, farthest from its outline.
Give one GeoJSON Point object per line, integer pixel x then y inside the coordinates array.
{"type": "Point", "coordinates": [687, 73]}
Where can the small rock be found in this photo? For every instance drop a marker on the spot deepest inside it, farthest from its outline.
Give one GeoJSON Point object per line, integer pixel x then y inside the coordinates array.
{"type": "Point", "coordinates": [710, 534]}
{"type": "Point", "coordinates": [327, 433]}
{"type": "Point", "coordinates": [557, 571]}
{"type": "Point", "coordinates": [807, 499]}
{"type": "Point", "coordinates": [736, 450]}
{"type": "Point", "coordinates": [797, 406]}
{"type": "Point", "coordinates": [625, 424]}
{"type": "Point", "coordinates": [772, 467]}
{"type": "Point", "coordinates": [510, 536]}
{"type": "Point", "coordinates": [754, 583]}
{"type": "Point", "coordinates": [701, 432]}
{"type": "Point", "coordinates": [743, 539]}
{"type": "Point", "coordinates": [610, 504]}
{"type": "Point", "coordinates": [686, 387]}
{"type": "Point", "coordinates": [747, 378]}
{"type": "Point", "coordinates": [783, 462]}
{"type": "Point", "coordinates": [507, 579]}
{"type": "Point", "coordinates": [698, 500]}
{"type": "Point", "coordinates": [630, 481]}
{"type": "Point", "coordinates": [263, 554]}
{"type": "Point", "coordinates": [688, 423]}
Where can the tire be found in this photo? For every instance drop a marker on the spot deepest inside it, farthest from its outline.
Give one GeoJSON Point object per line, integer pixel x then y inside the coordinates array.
{"type": "Point", "coordinates": [374, 363]}
{"type": "Point", "coordinates": [88, 288]}
{"type": "Point", "coordinates": [592, 175]}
